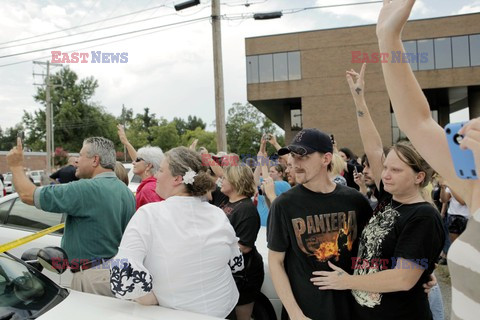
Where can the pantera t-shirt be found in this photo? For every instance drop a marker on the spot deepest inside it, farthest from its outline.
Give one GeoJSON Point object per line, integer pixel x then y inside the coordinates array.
{"type": "Point", "coordinates": [314, 228]}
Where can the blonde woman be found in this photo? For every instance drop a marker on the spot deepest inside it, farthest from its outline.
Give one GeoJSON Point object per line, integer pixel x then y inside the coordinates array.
{"type": "Point", "coordinates": [239, 185]}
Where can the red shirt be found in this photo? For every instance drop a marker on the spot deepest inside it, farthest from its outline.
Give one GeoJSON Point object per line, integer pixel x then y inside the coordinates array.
{"type": "Point", "coordinates": [146, 192]}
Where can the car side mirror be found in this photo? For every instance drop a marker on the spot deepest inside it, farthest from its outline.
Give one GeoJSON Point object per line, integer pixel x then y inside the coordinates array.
{"type": "Point", "coordinates": [30, 258]}
{"type": "Point", "coordinates": [53, 259]}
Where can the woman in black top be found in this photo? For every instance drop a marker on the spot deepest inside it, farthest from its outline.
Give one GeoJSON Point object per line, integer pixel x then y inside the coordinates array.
{"type": "Point", "coordinates": [399, 246]}
{"type": "Point", "coordinates": [238, 184]}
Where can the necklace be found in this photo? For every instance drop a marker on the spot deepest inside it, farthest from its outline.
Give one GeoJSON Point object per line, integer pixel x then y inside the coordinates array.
{"type": "Point", "coordinates": [391, 205]}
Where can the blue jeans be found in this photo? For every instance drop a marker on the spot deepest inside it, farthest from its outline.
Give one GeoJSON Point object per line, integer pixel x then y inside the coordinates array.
{"type": "Point", "coordinates": [436, 303]}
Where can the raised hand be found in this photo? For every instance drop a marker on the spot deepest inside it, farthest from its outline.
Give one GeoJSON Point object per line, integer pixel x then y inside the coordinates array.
{"type": "Point", "coordinates": [122, 135]}
{"type": "Point", "coordinates": [356, 82]}
{"type": "Point", "coordinates": [193, 146]}
{"type": "Point", "coordinates": [15, 156]}
{"type": "Point", "coordinates": [393, 17]}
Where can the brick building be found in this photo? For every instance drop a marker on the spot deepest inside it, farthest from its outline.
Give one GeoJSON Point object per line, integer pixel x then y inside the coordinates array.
{"type": "Point", "coordinates": [298, 79]}
{"type": "Point", "coordinates": [32, 160]}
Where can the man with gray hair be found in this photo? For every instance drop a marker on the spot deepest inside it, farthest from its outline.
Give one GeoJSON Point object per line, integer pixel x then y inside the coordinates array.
{"type": "Point", "coordinates": [98, 209]}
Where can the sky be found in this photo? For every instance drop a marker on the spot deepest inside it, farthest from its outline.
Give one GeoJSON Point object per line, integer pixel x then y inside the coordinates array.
{"type": "Point", "coordinates": [170, 67]}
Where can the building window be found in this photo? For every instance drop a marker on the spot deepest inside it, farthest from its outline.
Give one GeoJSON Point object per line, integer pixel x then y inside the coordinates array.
{"type": "Point", "coordinates": [296, 119]}
{"type": "Point", "coordinates": [411, 47]}
{"type": "Point", "coordinates": [252, 69]}
{"type": "Point", "coordinates": [475, 50]}
{"type": "Point", "coordinates": [280, 66]}
{"type": "Point", "coordinates": [294, 66]}
{"type": "Point", "coordinates": [265, 67]}
{"type": "Point", "coordinates": [443, 53]}
{"type": "Point", "coordinates": [460, 52]}
{"type": "Point", "coordinates": [425, 47]}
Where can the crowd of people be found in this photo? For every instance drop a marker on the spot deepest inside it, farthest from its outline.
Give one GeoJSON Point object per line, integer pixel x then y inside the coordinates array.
{"type": "Point", "coordinates": [348, 237]}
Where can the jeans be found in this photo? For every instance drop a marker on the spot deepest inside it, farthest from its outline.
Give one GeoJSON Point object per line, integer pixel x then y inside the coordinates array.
{"type": "Point", "coordinates": [436, 303]}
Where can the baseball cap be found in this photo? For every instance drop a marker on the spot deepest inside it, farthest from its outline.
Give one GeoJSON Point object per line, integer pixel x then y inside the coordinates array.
{"type": "Point", "coordinates": [308, 141]}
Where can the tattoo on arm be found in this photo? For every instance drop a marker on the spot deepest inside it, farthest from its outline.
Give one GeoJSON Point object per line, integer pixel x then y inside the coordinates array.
{"type": "Point", "coordinates": [360, 113]}
{"type": "Point", "coordinates": [358, 90]}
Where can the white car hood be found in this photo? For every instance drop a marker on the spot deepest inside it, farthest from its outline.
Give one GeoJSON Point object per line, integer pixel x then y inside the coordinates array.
{"type": "Point", "coordinates": [79, 305]}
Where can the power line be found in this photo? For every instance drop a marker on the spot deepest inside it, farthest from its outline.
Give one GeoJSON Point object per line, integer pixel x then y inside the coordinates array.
{"type": "Point", "coordinates": [106, 37]}
{"type": "Point", "coordinates": [101, 44]}
{"type": "Point", "coordinates": [249, 15]}
{"type": "Point", "coordinates": [289, 11]}
{"type": "Point", "coordinates": [84, 25]}
{"type": "Point", "coordinates": [89, 31]}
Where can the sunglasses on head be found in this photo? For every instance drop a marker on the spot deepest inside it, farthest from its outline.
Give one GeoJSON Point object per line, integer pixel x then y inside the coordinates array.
{"type": "Point", "coordinates": [301, 151]}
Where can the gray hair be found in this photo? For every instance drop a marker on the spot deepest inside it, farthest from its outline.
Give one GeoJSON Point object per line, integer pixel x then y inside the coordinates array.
{"type": "Point", "coordinates": [103, 148]}
{"type": "Point", "coordinates": [151, 155]}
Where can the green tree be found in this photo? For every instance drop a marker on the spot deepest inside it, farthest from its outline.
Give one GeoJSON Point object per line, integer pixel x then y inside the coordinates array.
{"type": "Point", "coordinates": [206, 139]}
{"type": "Point", "coordinates": [245, 127]}
{"type": "Point", "coordinates": [74, 117]}
{"type": "Point", "coordinates": [165, 136]}
{"type": "Point", "coordinates": [193, 123]}
{"type": "Point", "coordinates": [8, 138]}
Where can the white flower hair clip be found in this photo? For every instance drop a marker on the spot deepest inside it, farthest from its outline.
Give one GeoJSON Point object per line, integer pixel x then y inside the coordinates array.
{"type": "Point", "coordinates": [188, 177]}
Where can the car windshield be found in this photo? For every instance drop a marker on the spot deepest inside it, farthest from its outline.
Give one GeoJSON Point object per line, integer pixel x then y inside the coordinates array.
{"type": "Point", "coordinates": [8, 178]}
{"type": "Point", "coordinates": [25, 292]}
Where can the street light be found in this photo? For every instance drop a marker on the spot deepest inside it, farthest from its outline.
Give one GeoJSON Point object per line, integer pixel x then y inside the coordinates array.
{"type": "Point", "coordinates": [268, 15]}
{"type": "Point", "coordinates": [186, 4]}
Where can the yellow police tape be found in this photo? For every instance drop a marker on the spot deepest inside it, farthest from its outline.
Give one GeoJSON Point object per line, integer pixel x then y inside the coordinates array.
{"type": "Point", "coordinates": [15, 243]}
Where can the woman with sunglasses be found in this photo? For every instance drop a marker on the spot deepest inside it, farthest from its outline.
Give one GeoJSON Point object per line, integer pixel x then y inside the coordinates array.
{"type": "Point", "coordinates": [146, 162]}
{"type": "Point", "coordinates": [146, 165]}
{"type": "Point", "coordinates": [402, 241]}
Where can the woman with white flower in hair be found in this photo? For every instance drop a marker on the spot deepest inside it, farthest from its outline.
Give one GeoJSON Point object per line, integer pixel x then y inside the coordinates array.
{"type": "Point", "coordinates": [179, 253]}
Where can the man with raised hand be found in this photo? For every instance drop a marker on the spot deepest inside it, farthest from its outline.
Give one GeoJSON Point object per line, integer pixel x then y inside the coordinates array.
{"type": "Point", "coordinates": [98, 209]}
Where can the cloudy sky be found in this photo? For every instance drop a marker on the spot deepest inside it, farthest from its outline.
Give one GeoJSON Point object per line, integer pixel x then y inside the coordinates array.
{"type": "Point", "coordinates": [170, 68]}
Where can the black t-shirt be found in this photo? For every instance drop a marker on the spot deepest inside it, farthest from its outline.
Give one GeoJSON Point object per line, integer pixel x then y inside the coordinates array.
{"type": "Point", "coordinates": [312, 229]}
{"type": "Point", "coordinates": [219, 199]}
{"type": "Point", "coordinates": [245, 220]}
{"type": "Point", "coordinates": [408, 231]}
{"type": "Point", "coordinates": [65, 174]}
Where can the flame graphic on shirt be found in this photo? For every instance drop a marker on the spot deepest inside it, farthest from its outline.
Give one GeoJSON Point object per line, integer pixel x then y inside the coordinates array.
{"type": "Point", "coordinates": [331, 249]}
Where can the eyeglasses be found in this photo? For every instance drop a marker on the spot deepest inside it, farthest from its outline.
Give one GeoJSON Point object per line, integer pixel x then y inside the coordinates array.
{"type": "Point", "coordinates": [139, 159]}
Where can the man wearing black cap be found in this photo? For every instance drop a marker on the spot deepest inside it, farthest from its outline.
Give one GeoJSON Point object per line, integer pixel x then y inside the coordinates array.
{"type": "Point", "coordinates": [312, 224]}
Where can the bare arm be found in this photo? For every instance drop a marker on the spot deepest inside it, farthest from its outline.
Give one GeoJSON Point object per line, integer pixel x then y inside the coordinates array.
{"type": "Point", "coordinates": [282, 284]}
{"type": "Point", "coordinates": [457, 197]}
{"type": "Point", "coordinates": [260, 161]}
{"type": "Point", "coordinates": [405, 275]}
{"type": "Point", "coordinates": [372, 143]}
{"type": "Point", "coordinates": [23, 186]}
{"type": "Point", "coordinates": [123, 138]}
{"type": "Point", "coordinates": [408, 101]}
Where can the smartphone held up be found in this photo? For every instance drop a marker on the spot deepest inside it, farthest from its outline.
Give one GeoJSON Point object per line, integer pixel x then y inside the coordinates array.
{"type": "Point", "coordinates": [463, 160]}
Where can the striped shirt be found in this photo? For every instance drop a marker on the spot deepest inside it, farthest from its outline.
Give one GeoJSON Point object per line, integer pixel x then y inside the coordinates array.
{"type": "Point", "coordinates": [464, 265]}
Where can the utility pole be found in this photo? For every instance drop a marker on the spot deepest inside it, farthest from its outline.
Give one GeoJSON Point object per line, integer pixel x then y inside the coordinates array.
{"type": "Point", "coordinates": [218, 77]}
{"type": "Point", "coordinates": [48, 117]}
